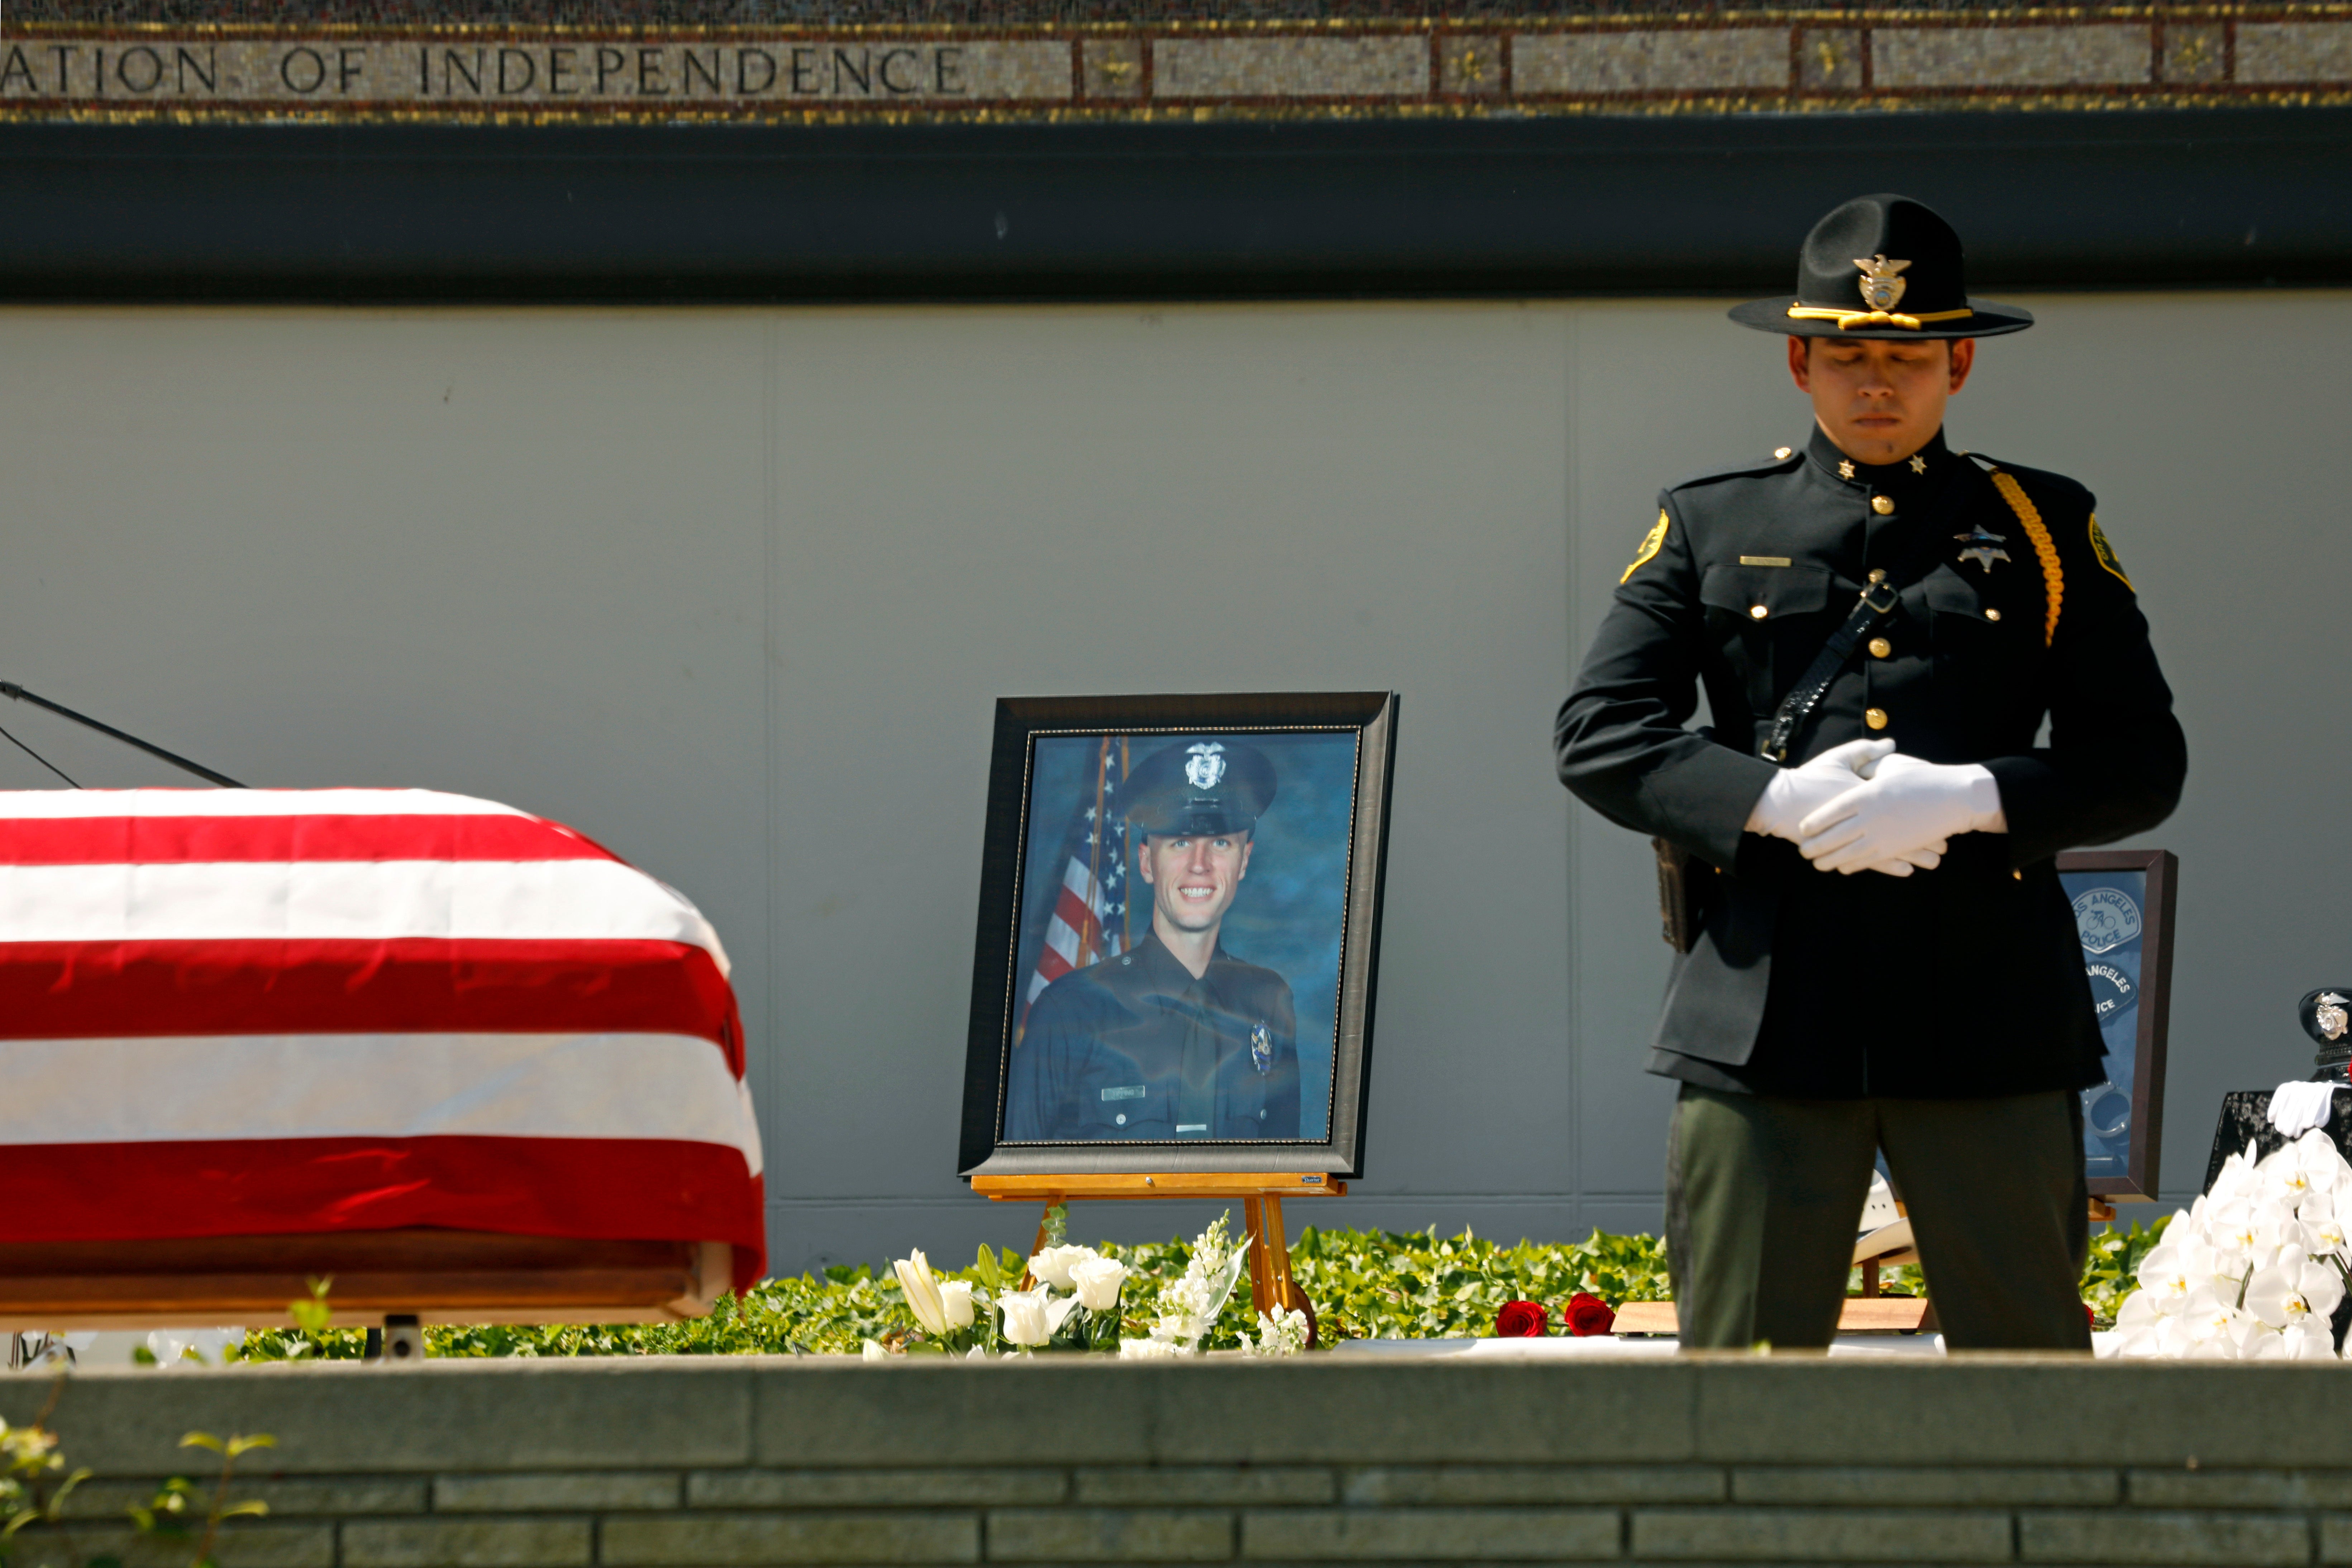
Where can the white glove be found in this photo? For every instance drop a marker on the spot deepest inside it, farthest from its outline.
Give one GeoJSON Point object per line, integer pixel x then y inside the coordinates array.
{"type": "Point", "coordinates": [1907, 807]}
{"type": "Point", "coordinates": [1794, 792]}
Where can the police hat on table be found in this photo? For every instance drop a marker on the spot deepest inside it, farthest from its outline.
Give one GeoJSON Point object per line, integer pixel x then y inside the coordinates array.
{"type": "Point", "coordinates": [1881, 267]}
{"type": "Point", "coordinates": [1197, 788]}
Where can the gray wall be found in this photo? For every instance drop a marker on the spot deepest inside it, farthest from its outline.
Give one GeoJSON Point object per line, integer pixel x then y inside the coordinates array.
{"type": "Point", "coordinates": [733, 591]}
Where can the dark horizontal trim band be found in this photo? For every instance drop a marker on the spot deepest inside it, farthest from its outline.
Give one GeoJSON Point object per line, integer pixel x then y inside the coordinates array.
{"type": "Point", "coordinates": [1658, 205]}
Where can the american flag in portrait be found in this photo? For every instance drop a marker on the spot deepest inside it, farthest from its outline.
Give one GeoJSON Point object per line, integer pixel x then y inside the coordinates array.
{"type": "Point", "coordinates": [1086, 918]}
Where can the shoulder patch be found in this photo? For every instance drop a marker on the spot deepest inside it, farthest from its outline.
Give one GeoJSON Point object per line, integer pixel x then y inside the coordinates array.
{"type": "Point", "coordinates": [2106, 553]}
{"type": "Point", "coordinates": [1651, 542]}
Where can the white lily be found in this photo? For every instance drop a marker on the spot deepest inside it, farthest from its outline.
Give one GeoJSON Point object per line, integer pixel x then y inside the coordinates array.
{"type": "Point", "coordinates": [922, 1292]}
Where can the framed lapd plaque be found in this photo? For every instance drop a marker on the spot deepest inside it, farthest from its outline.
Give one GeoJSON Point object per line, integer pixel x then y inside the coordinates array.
{"type": "Point", "coordinates": [2123, 912]}
{"type": "Point", "coordinates": [1179, 934]}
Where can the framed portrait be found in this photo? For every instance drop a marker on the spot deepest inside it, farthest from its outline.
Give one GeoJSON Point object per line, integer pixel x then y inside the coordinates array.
{"type": "Point", "coordinates": [2123, 913]}
{"type": "Point", "coordinates": [1178, 935]}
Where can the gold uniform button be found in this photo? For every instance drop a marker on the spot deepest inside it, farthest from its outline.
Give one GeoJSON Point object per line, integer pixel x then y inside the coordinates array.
{"type": "Point", "coordinates": [1875, 717]}
{"type": "Point", "coordinates": [1758, 612]}
{"type": "Point", "coordinates": [1880, 647]}
{"type": "Point", "coordinates": [1883, 505]}
{"type": "Point", "coordinates": [1993, 615]}
{"type": "Point", "coordinates": [1782, 451]}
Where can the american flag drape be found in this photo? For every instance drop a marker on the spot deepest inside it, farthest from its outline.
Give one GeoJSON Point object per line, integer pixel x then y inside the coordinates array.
{"type": "Point", "coordinates": [264, 1012]}
{"type": "Point", "coordinates": [1085, 919]}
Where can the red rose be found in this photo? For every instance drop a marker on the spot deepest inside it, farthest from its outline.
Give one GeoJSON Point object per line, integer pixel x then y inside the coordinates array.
{"type": "Point", "coordinates": [1586, 1313]}
{"type": "Point", "coordinates": [1520, 1321]}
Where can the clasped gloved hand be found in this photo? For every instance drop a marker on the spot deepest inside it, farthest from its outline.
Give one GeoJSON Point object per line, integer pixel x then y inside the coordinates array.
{"type": "Point", "coordinates": [1794, 793]}
{"type": "Point", "coordinates": [1906, 808]}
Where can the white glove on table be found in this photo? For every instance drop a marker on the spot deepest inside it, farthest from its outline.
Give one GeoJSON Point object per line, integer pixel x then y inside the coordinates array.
{"type": "Point", "coordinates": [1907, 807]}
{"type": "Point", "coordinates": [1793, 794]}
{"type": "Point", "coordinates": [2297, 1108]}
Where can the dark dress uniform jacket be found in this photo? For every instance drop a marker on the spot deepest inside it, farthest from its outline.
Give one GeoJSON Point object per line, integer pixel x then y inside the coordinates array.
{"type": "Point", "coordinates": [1135, 1048]}
{"type": "Point", "coordinates": [1961, 982]}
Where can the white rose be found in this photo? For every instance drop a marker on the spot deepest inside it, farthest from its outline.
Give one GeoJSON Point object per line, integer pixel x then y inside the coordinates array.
{"type": "Point", "coordinates": [1024, 1317]}
{"type": "Point", "coordinates": [1052, 1266]}
{"type": "Point", "coordinates": [955, 1302]}
{"type": "Point", "coordinates": [1097, 1282]}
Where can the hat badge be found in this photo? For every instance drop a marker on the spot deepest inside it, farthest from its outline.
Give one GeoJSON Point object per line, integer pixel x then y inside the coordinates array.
{"type": "Point", "coordinates": [1204, 764]}
{"type": "Point", "coordinates": [1881, 289]}
{"type": "Point", "coordinates": [2330, 1016]}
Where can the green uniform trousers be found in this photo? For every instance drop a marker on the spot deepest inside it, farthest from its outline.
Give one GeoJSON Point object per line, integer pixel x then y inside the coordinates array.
{"type": "Point", "coordinates": [1764, 1196]}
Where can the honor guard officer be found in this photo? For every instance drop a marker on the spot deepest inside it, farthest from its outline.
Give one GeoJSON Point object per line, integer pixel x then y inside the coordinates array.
{"type": "Point", "coordinates": [1176, 1040]}
{"type": "Point", "coordinates": [1881, 956]}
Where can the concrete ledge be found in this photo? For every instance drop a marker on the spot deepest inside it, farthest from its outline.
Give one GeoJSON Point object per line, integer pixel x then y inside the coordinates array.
{"type": "Point", "coordinates": [656, 1462]}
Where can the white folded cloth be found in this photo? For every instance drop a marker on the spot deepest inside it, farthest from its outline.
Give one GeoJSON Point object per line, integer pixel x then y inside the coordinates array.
{"type": "Point", "coordinates": [2296, 1107]}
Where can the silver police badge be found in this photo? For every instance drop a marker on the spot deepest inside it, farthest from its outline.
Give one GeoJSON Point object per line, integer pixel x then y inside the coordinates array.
{"type": "Point", "coordinates": [2105, 918]}
{"type": "Point", "coordinates": [1204, 764]}
{"type": "Point", "coordinates": [1881, 289]}
{"type": "Point", "coordinates": [1261, 1048]}
{"type": "Point", "coordinates": [1982, 548]}
{"type": "Point", "coordinates": [2330, 1016]}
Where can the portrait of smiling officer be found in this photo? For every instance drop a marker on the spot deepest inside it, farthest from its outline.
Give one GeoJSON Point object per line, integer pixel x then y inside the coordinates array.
{"type": "Point", "coordinates": [1883, 956]}
{"type": "Point", "coordinates": [1176, 1040]}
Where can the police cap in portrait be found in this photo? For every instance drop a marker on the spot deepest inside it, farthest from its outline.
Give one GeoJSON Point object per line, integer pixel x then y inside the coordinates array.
{"type": "Point", "coordinates": [1200, 787]}
{"type": "Point", "coordinates": [1882, 267]}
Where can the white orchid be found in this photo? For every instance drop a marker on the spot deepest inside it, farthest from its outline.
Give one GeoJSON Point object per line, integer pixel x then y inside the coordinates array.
{"type": "Point", "coordinates": [2294, 1290]}
{"type": "Point", "coordinates": [1148, 1350]}
{"type": "Point", "coordinates": [2308, 1165]}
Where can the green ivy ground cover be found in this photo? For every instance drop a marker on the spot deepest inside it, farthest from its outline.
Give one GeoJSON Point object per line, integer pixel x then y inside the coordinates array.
{"type": "Point", "coordinates": [1364, 1285]}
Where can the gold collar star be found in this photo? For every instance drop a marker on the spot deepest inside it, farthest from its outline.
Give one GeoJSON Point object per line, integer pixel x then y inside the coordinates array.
{"type": "Point", "coordinates": [1845, 470]}
{"type": "Point", "coordinates": [1919, 464]}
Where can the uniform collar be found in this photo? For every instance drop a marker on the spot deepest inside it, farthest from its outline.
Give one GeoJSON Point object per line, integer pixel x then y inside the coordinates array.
{"type": "Point", "coordinates": [1153, 954]}
{"type": "Point", "coordinates": [1930, 464]}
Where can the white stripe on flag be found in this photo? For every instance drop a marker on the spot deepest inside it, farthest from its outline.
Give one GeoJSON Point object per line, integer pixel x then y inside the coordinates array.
{"type": "Point", "coordinates": [578, 899]}
{"type": "Point", "coordinates": [1037, 983]}
{"type": "Point", "coordinates": [65, 803]}
{"type": "Point", "coordinates": [1062, 939]}
{"type": "Point", "coordinates": [1080, 882]}
{"type": "Point", "coordinates": [175, 1090]}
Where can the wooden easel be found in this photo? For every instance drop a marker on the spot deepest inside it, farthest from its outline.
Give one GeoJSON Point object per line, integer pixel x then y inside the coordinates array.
{"type": "Point", "coordinates": [1261, 1193]}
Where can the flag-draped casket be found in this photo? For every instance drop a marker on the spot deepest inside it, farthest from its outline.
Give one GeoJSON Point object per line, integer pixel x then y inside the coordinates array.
{"type": "Point", "coordinates": [268, 1013]}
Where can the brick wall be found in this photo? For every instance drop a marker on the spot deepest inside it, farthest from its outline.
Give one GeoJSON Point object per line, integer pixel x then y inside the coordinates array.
{"type": "Point", "coordinates": [652, 1463]}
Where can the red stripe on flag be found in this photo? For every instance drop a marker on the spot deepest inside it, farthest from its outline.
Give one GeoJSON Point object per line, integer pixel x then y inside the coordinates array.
{"type": "Point", "coordinates": [608, 1189]}
{"type": "Point", "coordinates": [72, 991]}
{"type": "Point", "coordinates": [1052, 965]}
{"type": "Point", "coordinates": [141, 840]}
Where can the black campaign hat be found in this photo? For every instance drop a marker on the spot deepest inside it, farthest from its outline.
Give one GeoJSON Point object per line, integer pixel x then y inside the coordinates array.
{"type": "Point", "coordinates": [1882, 267]}
{"type": "Point", "coordinates": [1200, 787]}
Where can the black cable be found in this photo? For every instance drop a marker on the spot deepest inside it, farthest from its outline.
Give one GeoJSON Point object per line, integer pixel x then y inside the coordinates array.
{"type": "Point", "coordinates": [39, 758]}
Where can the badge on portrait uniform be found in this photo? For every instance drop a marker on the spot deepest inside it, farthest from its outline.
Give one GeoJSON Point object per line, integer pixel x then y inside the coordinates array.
{"type": "Point", "coordinates": [1262, 1047]}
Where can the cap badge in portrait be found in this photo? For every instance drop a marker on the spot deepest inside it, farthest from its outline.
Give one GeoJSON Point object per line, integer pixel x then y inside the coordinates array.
{"type": "Point", "coordinates": [1204, 764]}
{"type": "Point", "coordinates": [1981, 548]}
{"type": "Point", "coordinates": [1881, 289]}
{"type": "Point", "coordinates": [1260, 1047]}
{"type": "Point", "coordinates": [2330, 1016]}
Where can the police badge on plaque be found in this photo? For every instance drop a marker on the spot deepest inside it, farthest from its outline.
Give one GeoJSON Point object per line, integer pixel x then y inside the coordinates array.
{"type": "Point", "coordinates": [2121, 903]}
{"type": "Point", "coordinates": [1179, 922]}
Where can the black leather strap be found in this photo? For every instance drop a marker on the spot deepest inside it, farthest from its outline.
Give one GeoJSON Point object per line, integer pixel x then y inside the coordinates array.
{"type": "Point", "coordinates": [1878, 599]}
